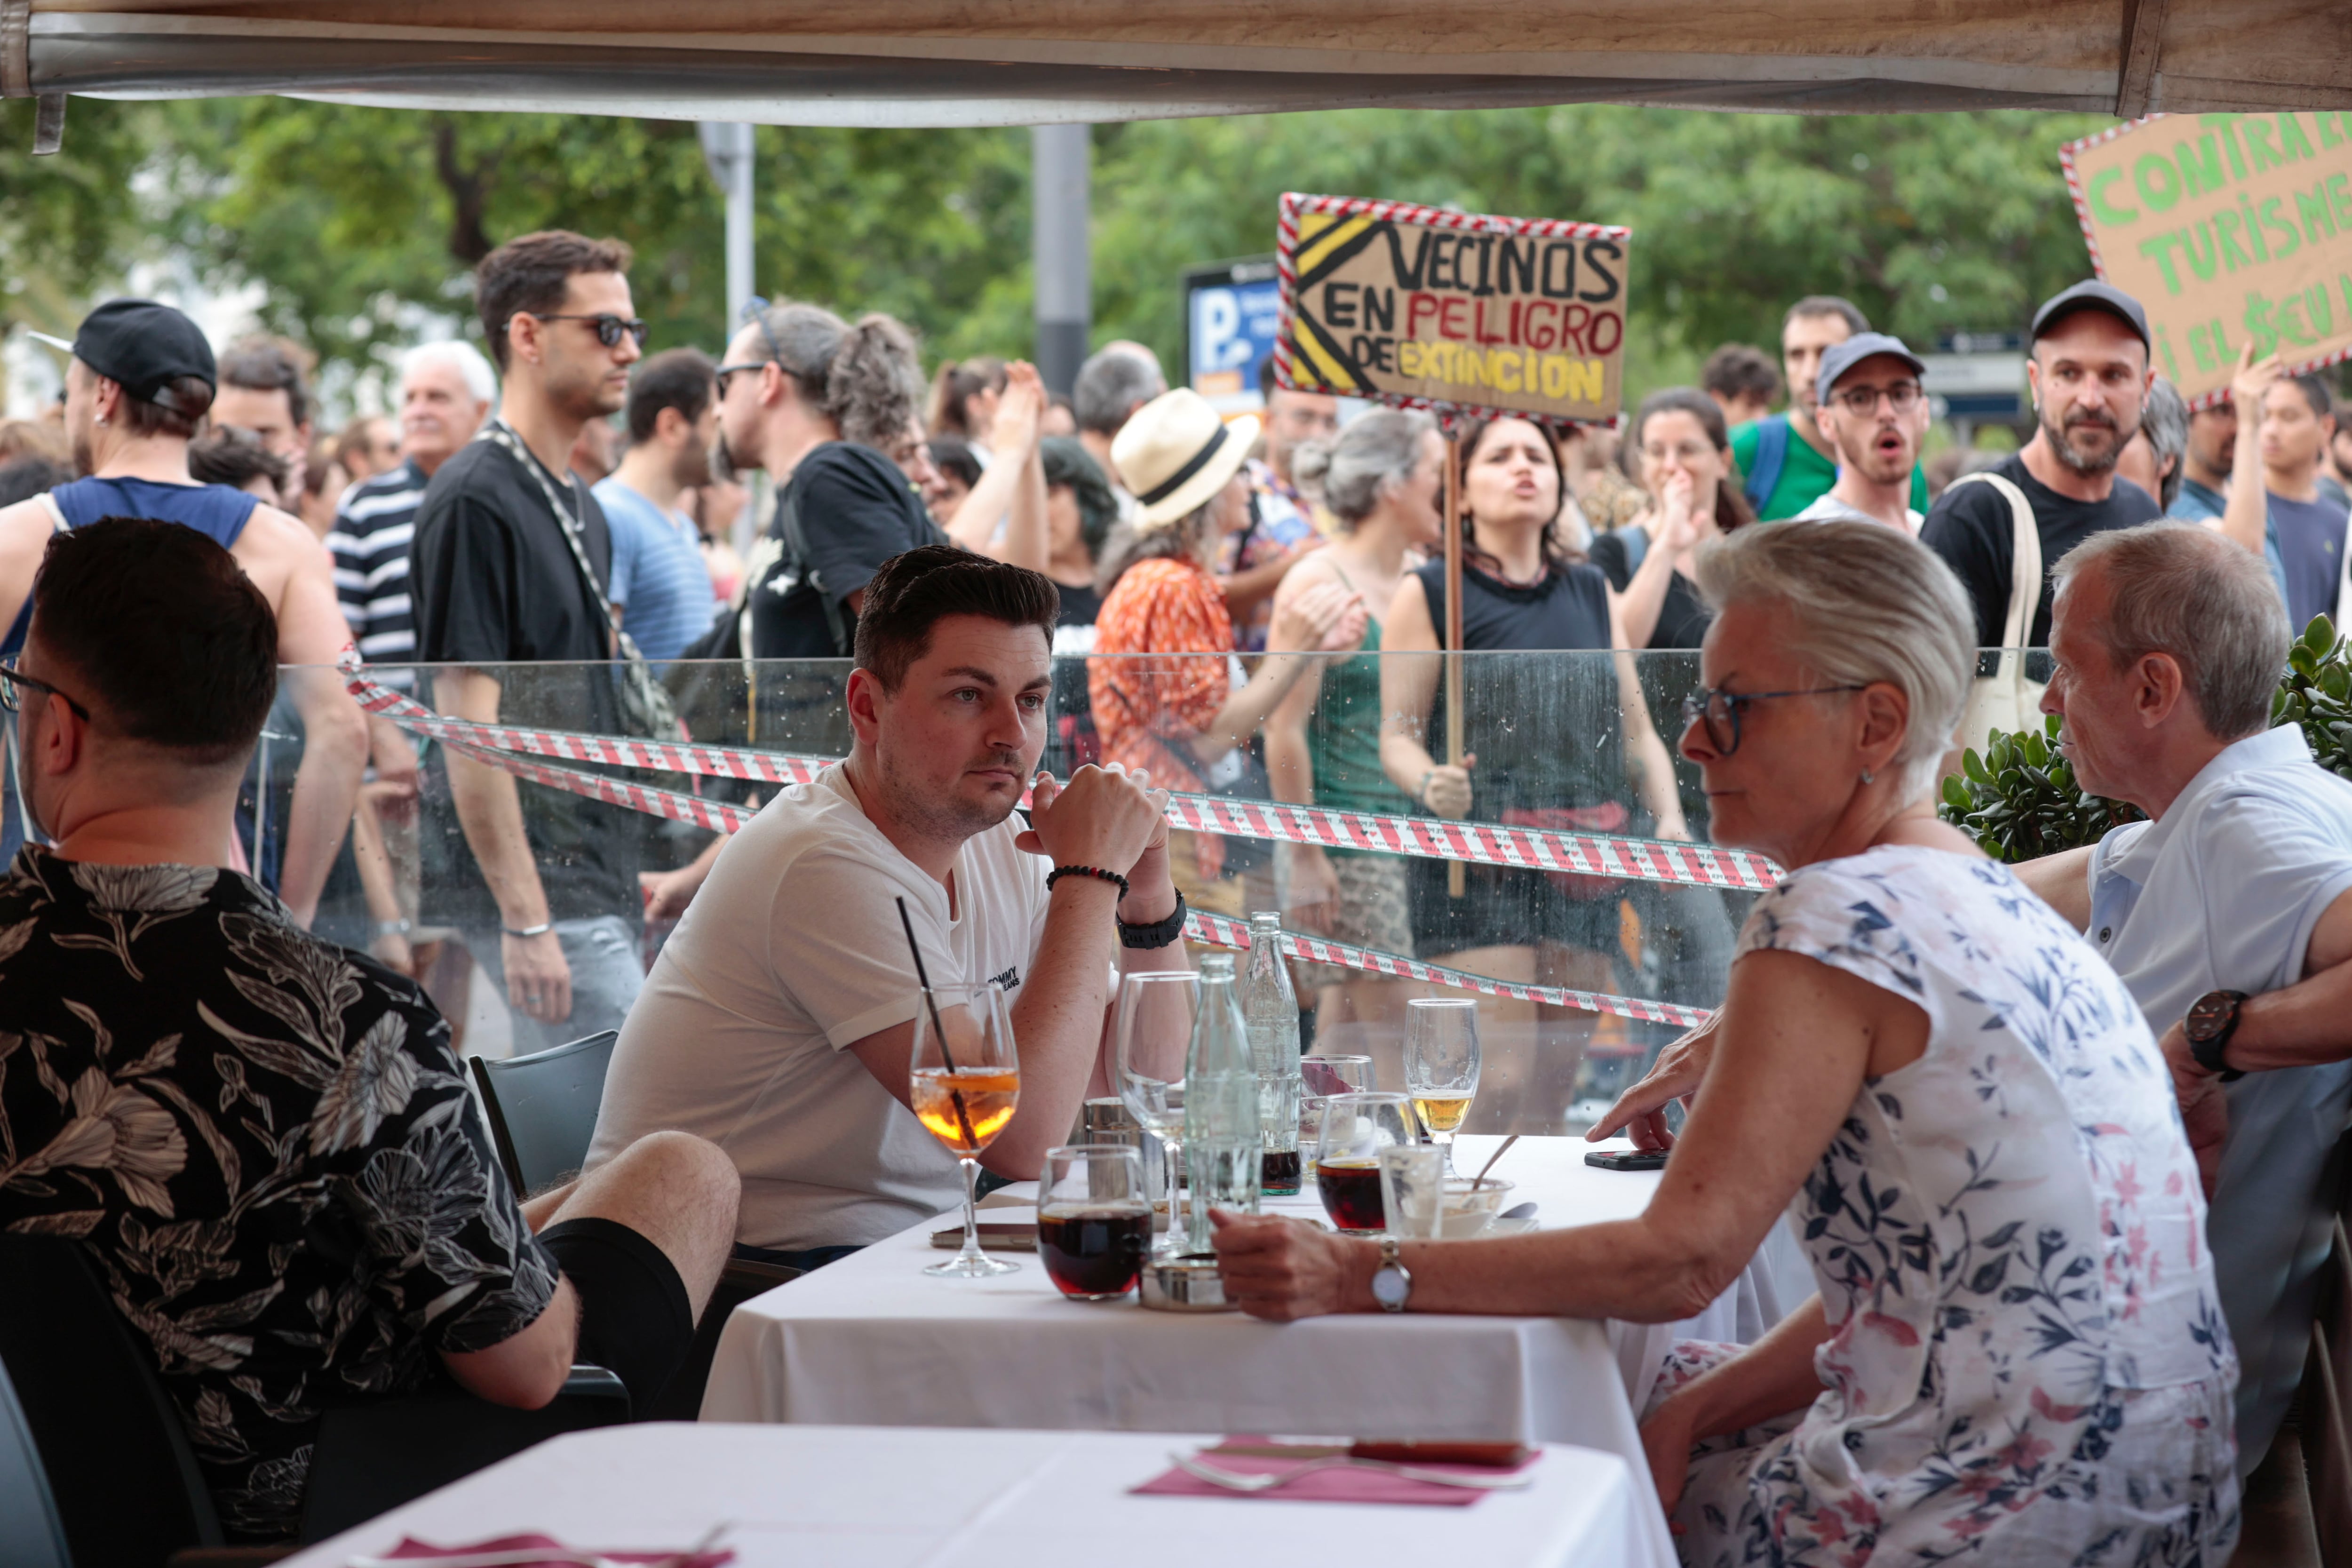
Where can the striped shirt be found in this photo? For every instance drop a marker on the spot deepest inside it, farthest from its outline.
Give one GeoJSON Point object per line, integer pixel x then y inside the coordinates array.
{"type": "Point", "coordinates": [373, 523]}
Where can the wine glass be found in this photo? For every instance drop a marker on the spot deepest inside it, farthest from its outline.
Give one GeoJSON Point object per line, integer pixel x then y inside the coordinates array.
{"type": "Point", "coordinates": [1355, 1128]}
{"type": "Point", "coordinates": [964, 1083]}
{"type": "Point", "coordinates": [1153, 1030]}
{"type": "Point", "coordinates": [1441, 1065]}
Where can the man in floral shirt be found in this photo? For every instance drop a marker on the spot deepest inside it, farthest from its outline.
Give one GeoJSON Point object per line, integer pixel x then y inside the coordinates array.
{"type": "Point", "coordinates": [263, 1140]}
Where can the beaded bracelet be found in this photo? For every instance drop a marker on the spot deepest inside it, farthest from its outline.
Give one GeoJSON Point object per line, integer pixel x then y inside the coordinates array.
{"type": "Point", "coordinates": [1058, 872]}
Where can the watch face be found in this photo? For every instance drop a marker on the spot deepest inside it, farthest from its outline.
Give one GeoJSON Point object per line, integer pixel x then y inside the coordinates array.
{"type": "Point", "coordinates": [1390, 1285]}
{"type": "Point", "coordinates": [2210, 1016]}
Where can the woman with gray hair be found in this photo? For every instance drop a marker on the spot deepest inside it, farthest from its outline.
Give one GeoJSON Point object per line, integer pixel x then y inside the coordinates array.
{"type": "Point", "coordinates": [2016, 1349]}
{"type": "Point", "coordinates": [1323, 741]}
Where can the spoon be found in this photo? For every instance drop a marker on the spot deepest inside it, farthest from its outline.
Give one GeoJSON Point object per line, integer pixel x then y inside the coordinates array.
{"type": "Point", "coordinates": [1518, 1210]}
{"type": "Point", "coordinates": [1480, 1180]}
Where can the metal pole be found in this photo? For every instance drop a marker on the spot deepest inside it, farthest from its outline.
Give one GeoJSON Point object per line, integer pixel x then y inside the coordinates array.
{"type": "Point", "coordinates": [726, 147]}
{"type": "Point", "coordinates": [1456, 885]}
{"type": "Point", "coordinates": [1060, 249]}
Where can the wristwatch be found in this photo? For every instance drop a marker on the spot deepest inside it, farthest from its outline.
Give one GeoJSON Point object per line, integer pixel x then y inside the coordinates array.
{"type": "Point", "coordinates": [2212, 1019]}
{"type": "Point", "coordinates": [1391, 1281]}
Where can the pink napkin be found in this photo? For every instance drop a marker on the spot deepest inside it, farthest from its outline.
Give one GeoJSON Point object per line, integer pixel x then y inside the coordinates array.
{"type": "Point", "coordinates": [425, 1552]}
{"type": "Point", "coordinates": [1341, 1483]}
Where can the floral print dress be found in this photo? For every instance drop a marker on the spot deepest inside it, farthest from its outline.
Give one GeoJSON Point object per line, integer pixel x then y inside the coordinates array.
{"type": "Point", "coordinates": [2027, 1361]}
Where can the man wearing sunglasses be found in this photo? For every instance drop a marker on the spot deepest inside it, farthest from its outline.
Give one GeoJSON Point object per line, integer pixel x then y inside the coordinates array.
{"type": "Point", "coordinates": [1872, 408]}
{"type": "Point", "coordinates": [512, 563]}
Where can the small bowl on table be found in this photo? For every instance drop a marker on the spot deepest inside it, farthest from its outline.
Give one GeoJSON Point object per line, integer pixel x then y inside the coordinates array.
{"type": "Point", "coordinates": [1470, 1206]}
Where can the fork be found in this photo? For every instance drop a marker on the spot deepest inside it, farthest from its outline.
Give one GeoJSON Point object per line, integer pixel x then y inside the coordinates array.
{"type": "Point", "coordinates": [1242, 1481]}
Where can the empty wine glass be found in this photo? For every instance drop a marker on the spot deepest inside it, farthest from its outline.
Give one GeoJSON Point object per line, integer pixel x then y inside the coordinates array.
{"type": "Point", "coordinates": [1320, 1077]}
{"type": "Point", "coordinates": [1441, 1065]}
{"type": "Point", "coordinates": [1153, 1029]}
{"type": "Point", "coordinates": [965, 1081]}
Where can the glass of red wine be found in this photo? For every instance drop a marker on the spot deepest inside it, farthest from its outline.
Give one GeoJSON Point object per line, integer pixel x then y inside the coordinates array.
{"type": "Point", "coordinates": [1355, 1128]}
{"type": "Point", "coordinates": [1094, 1220]}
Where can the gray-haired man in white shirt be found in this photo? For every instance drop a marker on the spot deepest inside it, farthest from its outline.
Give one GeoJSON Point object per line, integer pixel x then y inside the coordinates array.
{"type": "Point", "coordinates": [2228, 915]}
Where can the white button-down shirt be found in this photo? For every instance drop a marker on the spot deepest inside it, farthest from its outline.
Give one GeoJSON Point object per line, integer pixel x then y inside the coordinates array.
{"type": "Point", "coordinates": [2222, 895]}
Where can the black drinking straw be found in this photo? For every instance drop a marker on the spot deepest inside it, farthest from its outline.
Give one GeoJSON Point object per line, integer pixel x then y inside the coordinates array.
{"type": "Point", "coordinates": [962, 1116]}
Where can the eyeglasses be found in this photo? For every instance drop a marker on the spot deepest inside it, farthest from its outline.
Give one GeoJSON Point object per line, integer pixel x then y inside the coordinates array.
{"type": "Point", "coordinates": [1721, 709]}
{"type": "Point", "coordinates": [11, 699]}
{"type": "Point", "coordinates": [1860, 400]}
{"type": "Point", "coordinates": [755, 310]}
{"type": "Point", "coordinates": [609, 327]}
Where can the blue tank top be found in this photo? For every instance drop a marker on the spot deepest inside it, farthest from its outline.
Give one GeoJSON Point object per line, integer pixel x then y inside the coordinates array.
{"type": "Point", "coordinates": [216, 512]}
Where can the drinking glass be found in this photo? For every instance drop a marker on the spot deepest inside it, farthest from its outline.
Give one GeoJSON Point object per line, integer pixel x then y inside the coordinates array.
{"type": "Point", "coordinates": [1412, 1190]}
{"type": "Point", "coordinates": [1441, 1065]}
{"type": "Point", "coordinates": [1094, 1220]}
{"type": "Point", "coordinates": [965, 1081]}
{"type": "Point", "coordinates": [1355, 1128]}
{"type": "Point", "coordinates": [1320, 1077]}
{"type": "Point", "coordinates": [1153, 1030]}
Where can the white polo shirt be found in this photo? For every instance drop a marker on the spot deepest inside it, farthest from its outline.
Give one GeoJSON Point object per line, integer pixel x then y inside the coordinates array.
{"type": "Point", "coordinates": [2223, 894]}
{"type": "Point", "coordinates": [791, 952]}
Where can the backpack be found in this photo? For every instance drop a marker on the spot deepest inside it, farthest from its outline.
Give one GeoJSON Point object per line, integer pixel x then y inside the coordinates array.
{"type": "Point", "coordinates": [1771, 457]}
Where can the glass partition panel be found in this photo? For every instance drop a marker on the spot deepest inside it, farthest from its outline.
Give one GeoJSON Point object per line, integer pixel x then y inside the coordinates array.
{"type": "Point", "coordinates": [1570, 773]}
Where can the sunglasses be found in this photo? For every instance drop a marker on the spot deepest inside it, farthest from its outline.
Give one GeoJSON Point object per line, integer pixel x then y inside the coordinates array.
{"type": "Point", "coordinates": [755, 310]}
{"type": "Point", "coordinates": [1720, 711]}
{"type": "Point", "coordinates": [609, 328]}
{"type": "Point", "coordinates": [12, 700]}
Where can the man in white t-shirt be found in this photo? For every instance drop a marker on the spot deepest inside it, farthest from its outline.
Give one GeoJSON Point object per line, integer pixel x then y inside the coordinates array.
{"type": "Point", "coordinates": [1872, 408]}
{"type": "Point", "coordinates": [779, 1020]}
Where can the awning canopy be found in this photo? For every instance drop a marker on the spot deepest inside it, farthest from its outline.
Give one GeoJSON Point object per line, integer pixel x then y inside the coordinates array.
{"type": "Point", "coordinates": [979, 62]}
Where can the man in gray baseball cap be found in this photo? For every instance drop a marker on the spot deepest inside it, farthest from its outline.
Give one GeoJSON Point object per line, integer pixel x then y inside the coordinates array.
{"type": "Point", "coordinates": [137, 387]}
{"type": "Point", "coordinates": [1869, 403]}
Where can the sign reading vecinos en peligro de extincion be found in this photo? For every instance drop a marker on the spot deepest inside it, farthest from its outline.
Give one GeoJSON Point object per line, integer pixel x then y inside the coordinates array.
{"type": "Point", "coordinates": [1461, 313]}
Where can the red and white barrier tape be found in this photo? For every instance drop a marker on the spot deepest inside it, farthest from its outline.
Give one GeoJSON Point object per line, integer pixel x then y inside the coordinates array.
{"type": "Point", "coordinates": [1221, 930]}
{"type": "Point", "coordinates": [1430, 837]}
{"type": "Point", "coordinates": [1212, 930]}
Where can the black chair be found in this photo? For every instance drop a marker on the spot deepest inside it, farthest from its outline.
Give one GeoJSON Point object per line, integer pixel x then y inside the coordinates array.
{"type": "Point", "coordinates": [30, 1533]}
{"type": "Point", "coordinates": [107, 1434]}
{"type": "Point", "coordinates": [543, 1108]}
{"type": "Point", "coordinates": [542, 1113]}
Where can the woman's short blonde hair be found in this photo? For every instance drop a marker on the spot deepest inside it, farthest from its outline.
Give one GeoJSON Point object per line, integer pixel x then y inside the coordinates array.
{"type": "Point", "coordinates": [1871, 603]}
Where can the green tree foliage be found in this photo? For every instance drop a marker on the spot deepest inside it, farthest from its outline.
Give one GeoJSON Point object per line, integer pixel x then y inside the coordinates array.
{"type": "Point", "coordinates": [356, 221]}
{"type": "Point", "coordinates": [67, 218]}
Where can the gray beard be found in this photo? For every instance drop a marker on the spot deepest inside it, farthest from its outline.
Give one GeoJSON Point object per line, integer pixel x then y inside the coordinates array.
{"type": "Point", "coordinates": [2089, 467]}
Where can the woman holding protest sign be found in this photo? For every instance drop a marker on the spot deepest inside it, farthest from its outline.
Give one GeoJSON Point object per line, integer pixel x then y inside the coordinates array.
{"type": "Point", "coordinates": [1549, 742]}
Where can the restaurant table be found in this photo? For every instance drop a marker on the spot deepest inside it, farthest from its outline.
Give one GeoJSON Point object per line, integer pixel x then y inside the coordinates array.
{"type": "Point", "coordinates": [892, 1497]}
{"type": "Point", "coordinates": [870, 1341]}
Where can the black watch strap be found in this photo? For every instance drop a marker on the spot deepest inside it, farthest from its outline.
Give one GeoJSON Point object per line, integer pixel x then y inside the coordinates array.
{"type": "Point", "coordinates": [1160, 934]}
{"type": "Point", "coordinates": [2212, 1018]}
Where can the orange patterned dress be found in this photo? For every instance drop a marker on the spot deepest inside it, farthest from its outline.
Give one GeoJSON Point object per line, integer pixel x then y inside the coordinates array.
{"type": "Point", "coordinates": [1145, 709]}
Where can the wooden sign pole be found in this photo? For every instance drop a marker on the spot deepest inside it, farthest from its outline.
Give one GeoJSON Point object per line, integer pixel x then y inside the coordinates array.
{"type": "Point", "coordinates": [1456, 883]}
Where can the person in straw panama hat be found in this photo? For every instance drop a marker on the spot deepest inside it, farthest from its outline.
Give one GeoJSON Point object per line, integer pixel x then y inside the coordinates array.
{"type": "Point", "coordinates": [1178, 714]}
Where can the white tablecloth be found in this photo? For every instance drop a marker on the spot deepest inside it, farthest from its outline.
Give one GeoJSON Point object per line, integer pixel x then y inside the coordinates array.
{"type": "Point", "coordinates": [890, 1498]}
{"type": "Point", "coordinates": [870, 1341]}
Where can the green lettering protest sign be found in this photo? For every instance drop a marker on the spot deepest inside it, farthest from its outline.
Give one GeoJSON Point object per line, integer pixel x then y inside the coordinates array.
{"type": "Point", "coordinates": [2230, 229]}
{"type": "Point", "coordinates": [1427, 307]}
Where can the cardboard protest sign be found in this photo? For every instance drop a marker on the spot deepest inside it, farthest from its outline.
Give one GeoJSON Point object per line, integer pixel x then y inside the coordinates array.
{"type": "Point", "coordinates": [1424, 308]}
{"type": "Point", "coordinates": [2228, 228]}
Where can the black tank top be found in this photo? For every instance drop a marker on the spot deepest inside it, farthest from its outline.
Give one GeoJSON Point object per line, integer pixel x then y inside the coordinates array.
{"type": "Point", "coordinates": [1546, 731]}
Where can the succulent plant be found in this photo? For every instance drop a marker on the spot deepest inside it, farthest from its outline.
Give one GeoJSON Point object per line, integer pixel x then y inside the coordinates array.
{"type": "Point", "coordinates": [2019, 801]}
{"type": "Point", "coordinates": [2317, 695]}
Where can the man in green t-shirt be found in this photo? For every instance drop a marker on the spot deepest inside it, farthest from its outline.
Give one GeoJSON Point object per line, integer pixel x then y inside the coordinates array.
{"type": "Point", "coordinates": [1788, 462]}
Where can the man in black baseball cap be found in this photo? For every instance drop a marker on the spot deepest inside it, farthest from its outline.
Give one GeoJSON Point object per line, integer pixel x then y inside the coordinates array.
{"type": "Point", "coordinates": [2089, 375]}
{"type": "Point", "coordinates": [137, 387]}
